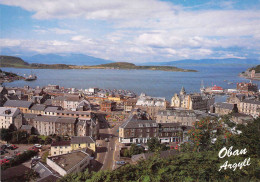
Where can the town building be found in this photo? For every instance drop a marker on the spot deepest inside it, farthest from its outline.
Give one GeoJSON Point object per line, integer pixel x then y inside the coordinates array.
{"type": "Point", "coordinates": [151, 105]}
{"type": "Point", "coordinates": [192, 101]}
{"type": "Point", "coordinates": [240, 118]}
{"type": "Point", "coordinates": [7, 116]}
{"type": "Point", "coordinates": [108, 106]}
{"type": "Point", "coordinates": [24, 106]}
{"type": "Point", "coordinates": [76, 143]}
{"type": "Point", "coordinates": [223, 108]}
{"type": "Point", "coordinates": [250, 107]}
{"type": "Point", "coordinates": [37, 109]}
{"type": "Point", "coordinates": [247, 87]}
{"type": "Point", "coordinates": [69, 163]}
{"type": "Point", "coordinates": [129, 105]}
{"type": "Point", "coordinates": [183, 117]}
{"type": "Point", "coordinates": [61, 147]}
{"type": "Point", "coordinates": [137, 131]}
{"type": "Point", "coordinates": [79, 142]}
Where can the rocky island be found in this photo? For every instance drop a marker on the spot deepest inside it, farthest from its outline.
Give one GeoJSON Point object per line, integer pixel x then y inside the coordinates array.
{"type": "Point", "coordinates": [10, 61]}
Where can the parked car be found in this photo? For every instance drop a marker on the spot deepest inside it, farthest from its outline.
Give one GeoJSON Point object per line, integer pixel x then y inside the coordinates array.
{"type": "Point", "coordinates": [4, 161]}
{"type": "Point", "coordinates": [34, 149]}
{"type": "Point", "coordinates": [120, 162]}
{"type": "Point", "coordinates": [13, 147]}
{"type": "Point", "coordinates": [106, 140]}
{"type": "Point", "coordinates": [38, 145]}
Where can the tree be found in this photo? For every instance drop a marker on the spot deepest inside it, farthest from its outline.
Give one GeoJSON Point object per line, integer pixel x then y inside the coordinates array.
{"type": "Point", "coordinates": [48, 140]}
{"type": "Point", "coordinates": [155, 145]}
{"type": "Point", "coordinates": [33, 139]}
{"type": "Point", "coordinates": [6, 135]}
{"type": "Point", "coordinates": [134, 150]}
{"type": "Point", "coordinates": [19, 137]}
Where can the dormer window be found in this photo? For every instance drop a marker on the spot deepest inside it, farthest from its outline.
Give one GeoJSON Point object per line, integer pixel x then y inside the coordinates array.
{"type": "Point", "coordinates": [140, 125]}
{"type": "Point", "coordinates": [147, 125]}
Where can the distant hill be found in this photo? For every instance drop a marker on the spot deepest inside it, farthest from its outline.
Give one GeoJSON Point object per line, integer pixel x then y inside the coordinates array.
{"type": "Point", "coordinates": [71, 59]}
{"type": "Point", "coordinates": [11, 61]}
{"type": "Point", "coordinates": [205, 62]}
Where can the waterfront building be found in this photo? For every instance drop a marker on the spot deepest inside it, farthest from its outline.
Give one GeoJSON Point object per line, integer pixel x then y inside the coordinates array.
{"type": "Point", "coordinates": [247, 87]}
{"type": "Point", "coordinates": [151, 105]}
{"type": "Point", "coordinates": [192, 101]}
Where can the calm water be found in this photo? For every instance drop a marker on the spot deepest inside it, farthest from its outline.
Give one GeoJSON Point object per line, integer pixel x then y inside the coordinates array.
{"type": "Point", "coordinates": [154, 83]}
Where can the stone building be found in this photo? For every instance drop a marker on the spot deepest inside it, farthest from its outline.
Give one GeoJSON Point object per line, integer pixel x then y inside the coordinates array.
{"type": "Point", "coordinates": [129, 105]}
{"type": "Point", "coordinates": [24, 106]}
{"type": "Point", "coordinates": [250, 107]}
{"type": "Point", "coordinates": [182, 117]}
{"type": "Point", "coordinates": [247, 87]}
{"type": "Point", "coordinates": [223, 108]}
{"type": "Point", "coordinates": [108, 106]}
{"type": "Point", "coordinates": [137, 131]}
{"type": "Point", "coordinates": [192, 101]}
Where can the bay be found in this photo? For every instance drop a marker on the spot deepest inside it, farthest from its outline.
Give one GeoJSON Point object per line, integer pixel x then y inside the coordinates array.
{"type": "Point", "coordinates": [153, 83]}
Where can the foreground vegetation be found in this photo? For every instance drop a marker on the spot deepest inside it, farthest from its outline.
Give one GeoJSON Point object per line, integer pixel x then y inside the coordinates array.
{"type": "Point", "coordinates": [10, 61]}
{"type": "Point", "coordinates": [198, 162]}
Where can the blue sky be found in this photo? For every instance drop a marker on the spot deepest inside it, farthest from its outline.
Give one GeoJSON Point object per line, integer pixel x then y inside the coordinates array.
{"type": "Point", "coordinates": [133, 31]}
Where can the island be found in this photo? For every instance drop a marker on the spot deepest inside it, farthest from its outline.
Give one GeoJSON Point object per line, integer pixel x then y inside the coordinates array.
{"type": "Point", "coordinates": [16, 62]}
{"type": "Point", "coordinates": [251, 73]}
{"type": "Point", "coordinates": [9, 77]}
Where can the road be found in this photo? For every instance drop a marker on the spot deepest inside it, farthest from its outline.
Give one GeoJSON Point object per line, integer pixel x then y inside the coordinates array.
{"type": "Point", "coordinates": [108, 152]}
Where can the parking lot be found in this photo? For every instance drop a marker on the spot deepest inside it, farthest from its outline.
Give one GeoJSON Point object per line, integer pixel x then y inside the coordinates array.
{"type": "Point", "coordinates": [21, 148]}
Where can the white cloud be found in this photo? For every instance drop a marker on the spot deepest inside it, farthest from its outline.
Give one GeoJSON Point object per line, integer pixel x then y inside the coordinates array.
{"type": "Point", "coordinates": [142, 30]}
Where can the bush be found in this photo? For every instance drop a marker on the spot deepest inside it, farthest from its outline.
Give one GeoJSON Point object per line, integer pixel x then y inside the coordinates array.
{"type": "Point", "coordinates": [33, 139]}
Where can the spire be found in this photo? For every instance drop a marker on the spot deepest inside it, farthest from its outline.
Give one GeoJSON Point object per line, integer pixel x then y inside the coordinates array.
{"type": "Point", "coordinates": [182, 92]}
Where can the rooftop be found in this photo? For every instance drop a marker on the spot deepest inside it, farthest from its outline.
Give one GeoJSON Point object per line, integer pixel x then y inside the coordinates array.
{"type": "Point", "coordinates": [79, 139]}
{"type": "Point", "coordinates": [17, 103]}
{"type": "Point", "coordinates": [61, 143]}
{"type": "Point", "coordinates": [67, 161]}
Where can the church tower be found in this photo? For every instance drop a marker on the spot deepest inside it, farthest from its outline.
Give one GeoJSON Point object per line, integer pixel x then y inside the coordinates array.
{"type": "Point", "coordinates": [182, 92]}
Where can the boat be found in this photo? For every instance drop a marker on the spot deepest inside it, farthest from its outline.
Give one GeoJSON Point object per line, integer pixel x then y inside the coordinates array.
{"type": "Point", "coordinates": [31, 77]}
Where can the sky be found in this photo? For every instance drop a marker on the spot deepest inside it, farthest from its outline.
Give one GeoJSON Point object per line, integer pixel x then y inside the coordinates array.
{"type": "Point", "coordinates": [132, 31]}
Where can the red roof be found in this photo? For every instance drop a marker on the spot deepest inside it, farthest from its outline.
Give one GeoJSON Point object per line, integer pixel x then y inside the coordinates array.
{"type": "Point", "coordinates": [216, 88]}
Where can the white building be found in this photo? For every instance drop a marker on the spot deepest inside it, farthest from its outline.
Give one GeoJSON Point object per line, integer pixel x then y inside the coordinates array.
{"type": "Point", "coordinates": [7, 116]}
{"type": "Point", "coordinates": [144, 100]}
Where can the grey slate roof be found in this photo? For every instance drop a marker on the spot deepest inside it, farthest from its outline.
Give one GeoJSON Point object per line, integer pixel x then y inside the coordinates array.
{"type": "Point", "coordinates": [46, 118]}
{"type": "Point", "coordinates": [29, 115]}
{"type": "Point", "coordinates": [79, 139]}
{"type": "Point", "coordinates": [51, 109]}
{"type": "Point", "coordinates": [133, 122]}
{"type": "Point", "coordinates": [38, 107]}
{"type": "Point", "coordinates": [177, 112]}
{"type": "Point", "coordinates": [224, 105]}
{"type": "Point", "coordinates": [66, 120]}
{"type": "Point", "coordinates": [17, 103]}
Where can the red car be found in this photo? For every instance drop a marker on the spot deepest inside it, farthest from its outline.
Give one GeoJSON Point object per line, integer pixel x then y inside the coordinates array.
{"type": "Point", "coordinates": [34, 149]}
{"type": "Point", "coordinates": [13, 147]}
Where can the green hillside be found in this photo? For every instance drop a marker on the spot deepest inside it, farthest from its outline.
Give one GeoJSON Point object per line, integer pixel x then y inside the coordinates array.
{"type": "Point", "coordinates": [11, 61]}
{"type": "Point", "coordinates": [257, 69]}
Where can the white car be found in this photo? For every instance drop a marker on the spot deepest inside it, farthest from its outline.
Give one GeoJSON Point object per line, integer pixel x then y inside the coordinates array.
{"type": "Point", "coordinates": [38, 145]}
